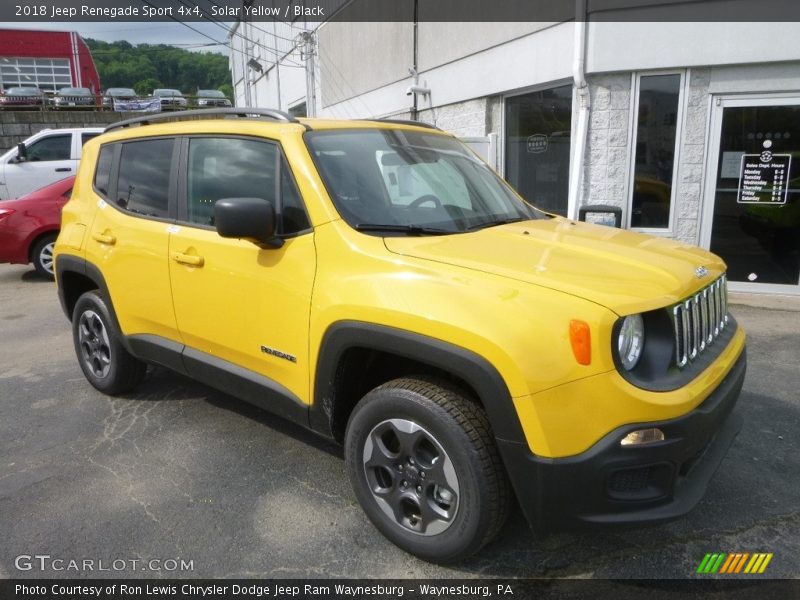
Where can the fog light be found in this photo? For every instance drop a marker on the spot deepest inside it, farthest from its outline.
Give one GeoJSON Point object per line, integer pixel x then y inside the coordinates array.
{"type": "Point", "coordinates": [642, 436]}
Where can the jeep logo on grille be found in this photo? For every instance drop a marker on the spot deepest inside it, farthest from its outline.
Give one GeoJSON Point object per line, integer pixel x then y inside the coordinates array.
{"type": "Point", "coordinates": [701, 272]}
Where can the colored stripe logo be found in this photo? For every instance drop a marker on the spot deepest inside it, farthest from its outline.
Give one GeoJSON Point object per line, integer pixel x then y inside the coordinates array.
{"type": "Point", "coordinates": [732, 564]}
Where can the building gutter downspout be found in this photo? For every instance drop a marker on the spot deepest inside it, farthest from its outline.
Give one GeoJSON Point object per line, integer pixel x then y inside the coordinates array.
{"type": "Point", "coordinates": [582, 97]}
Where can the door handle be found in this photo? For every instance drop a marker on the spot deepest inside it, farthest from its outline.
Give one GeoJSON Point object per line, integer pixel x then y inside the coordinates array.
{"type": "Point", "coordinates": [63, 170]}
{"type": "Point", "coordinates": [104, 238]}
{"type": "Point", "coordinates": [188, 259]}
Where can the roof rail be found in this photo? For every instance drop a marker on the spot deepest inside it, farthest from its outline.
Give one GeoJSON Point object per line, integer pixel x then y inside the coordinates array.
{"type": "Point", "coordinates": [406, 122]}
{"type": "Point", "coordinates": [270, 113]}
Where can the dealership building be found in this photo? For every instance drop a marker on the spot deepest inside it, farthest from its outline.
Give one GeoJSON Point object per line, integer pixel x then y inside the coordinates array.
{"type": "Point", "coordinates": [688, 130]}
{"type": "Point", "coordinates": [49, 60]}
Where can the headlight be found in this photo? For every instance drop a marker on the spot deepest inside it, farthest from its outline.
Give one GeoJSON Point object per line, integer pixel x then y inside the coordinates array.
{"type": "Point", "coordinates": [631, 341]}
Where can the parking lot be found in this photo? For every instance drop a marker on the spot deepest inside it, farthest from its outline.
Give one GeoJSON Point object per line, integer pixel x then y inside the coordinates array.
{"type": "Point", "coordinates": [178, 471]}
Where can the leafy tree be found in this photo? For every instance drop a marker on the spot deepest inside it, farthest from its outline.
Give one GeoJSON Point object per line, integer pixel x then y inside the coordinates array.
{"type": "Point", "coordinates": [227, 89]}
{"type": "Point", "coordinates": [145, 87]}
{"type": "Point", "coordinates": [147, 66]}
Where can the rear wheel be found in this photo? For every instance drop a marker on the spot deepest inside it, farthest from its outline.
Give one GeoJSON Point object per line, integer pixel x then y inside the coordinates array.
{"type": "Point", "coordinates": [425, 468]}
{"type": "Point", "coordinates": [107, 365]}
{"type": "Point", "coordinates": [42, 255]}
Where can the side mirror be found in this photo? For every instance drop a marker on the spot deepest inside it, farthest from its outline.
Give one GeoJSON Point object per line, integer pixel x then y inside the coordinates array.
{"type": "Point", "coordinates": [22, 152]}
{"type": "Point", "coordinates": [251, 219]}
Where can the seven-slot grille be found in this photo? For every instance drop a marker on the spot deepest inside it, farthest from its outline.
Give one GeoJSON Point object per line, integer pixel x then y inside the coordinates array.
{"type": "Point", "coordinates": [698, 320]}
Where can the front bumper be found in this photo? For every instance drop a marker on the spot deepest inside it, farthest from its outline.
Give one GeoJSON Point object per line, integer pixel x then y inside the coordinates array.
{"type": "Point", "coordinates": [612, 484]}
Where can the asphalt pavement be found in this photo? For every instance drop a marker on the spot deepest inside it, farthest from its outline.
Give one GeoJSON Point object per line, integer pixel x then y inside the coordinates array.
{"type": "Point", "coordinates": [178, 479]}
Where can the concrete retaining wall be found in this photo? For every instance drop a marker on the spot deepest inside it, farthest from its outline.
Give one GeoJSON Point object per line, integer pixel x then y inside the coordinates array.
{"type": "Point", "coordinates": [16, 126]}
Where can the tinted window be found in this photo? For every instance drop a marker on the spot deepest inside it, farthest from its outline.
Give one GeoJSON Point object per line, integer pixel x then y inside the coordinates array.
{"type": "Point", "coordinates": [55, 147]}
{"type": "Point", "coordinates": [538, 127]}
{"type": "Point", "coordinates": [293, 213]}
{"type": "Point", "coordinates": [103, 172]}
{"type": "Point", "coordinates": [143, 184]}
{"type": "Point", "coordinates": [85, 137]}
{"type": "Point", "coordinates": [659, 97]}
{"type": "Point", "coordinates": [237, 168]}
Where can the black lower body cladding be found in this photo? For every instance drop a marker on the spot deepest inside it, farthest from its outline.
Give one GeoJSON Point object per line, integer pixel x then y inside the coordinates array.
{"type": "Point", "coordinates": [614, 485]}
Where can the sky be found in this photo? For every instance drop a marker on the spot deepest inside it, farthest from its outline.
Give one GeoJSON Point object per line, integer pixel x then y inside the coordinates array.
{"type": "Point", "coordinates": [174, 34]}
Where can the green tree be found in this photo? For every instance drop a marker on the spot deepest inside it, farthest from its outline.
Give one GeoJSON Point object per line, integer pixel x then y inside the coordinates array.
{"type": "Point", "coordinates": [121, 64]}
{"type": "Point", "coordinates": [145, 87]}
{"type": "Point", "coordinates": [227, 89]}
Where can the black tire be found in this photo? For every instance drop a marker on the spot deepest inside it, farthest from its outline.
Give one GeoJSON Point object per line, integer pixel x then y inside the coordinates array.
{"type": "Point", "coordinates": [107, 365]}
{"type": "Point", "coordinates": [421, 511]}
{"type": "Point", "coordinates": [42, 255]}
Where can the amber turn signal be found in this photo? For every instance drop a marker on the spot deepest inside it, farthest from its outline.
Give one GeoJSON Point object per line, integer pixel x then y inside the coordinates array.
{"type": "Point", "coordinates": [581, 339]}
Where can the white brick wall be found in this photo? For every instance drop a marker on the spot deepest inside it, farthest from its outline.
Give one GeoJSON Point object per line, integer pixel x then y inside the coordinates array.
{"type": "Point", "coordinates": [690, 167]}
{"type": "Point", "coordinates": [606, 161]}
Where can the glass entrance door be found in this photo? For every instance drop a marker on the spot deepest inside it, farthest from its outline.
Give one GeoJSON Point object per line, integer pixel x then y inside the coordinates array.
{"type": "Point", "coordinates": [752, 217]}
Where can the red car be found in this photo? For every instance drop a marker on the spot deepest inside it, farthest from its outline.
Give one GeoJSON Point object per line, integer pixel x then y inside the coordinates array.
{"type": "Point", "coordinates": [29, 226]}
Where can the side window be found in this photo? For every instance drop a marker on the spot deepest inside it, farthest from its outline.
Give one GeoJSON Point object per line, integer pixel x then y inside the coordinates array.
{"type": "Point", "coordinates": [238, 168]}
{"type": "Point", "coordinates": [102, 174]}
{"type": "Point", "coordinates": [143, 183]}
{"type": "Point", "coordinates": [293, 213]}
{"type": "Point", "coordinates": [85, 137]}
{"type": "Point", "coordinates": [55, 147]}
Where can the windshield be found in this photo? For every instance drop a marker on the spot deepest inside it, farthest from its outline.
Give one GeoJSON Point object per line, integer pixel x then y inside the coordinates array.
{"type": "Point", "coordinates": [75, 91]}
{"type": "Point", "coordinates": [210, 93]}
{"type": "Point", "coordinates": [23, 91]}
{"type": "Point", "coordinates": [121, 92]}
{"type": "Point", "coordinates": [413, 183]}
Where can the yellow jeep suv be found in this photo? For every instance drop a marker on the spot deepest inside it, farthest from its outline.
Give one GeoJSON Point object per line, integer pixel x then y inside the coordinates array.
{"type": "Point", "coordinates": [377, 283]}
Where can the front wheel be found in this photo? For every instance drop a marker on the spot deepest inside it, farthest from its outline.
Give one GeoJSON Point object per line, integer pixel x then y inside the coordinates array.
{"type": "Point", "coordinates": [107, 365]}
{"type": "Point", "coordinates": [425, 468]}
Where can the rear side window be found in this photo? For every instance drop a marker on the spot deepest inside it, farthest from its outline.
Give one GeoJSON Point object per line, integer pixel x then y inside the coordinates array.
{"type": "Point", "coordinates": [102, 174]}
{"type": "Point", "coordinates": [85, 137]}
{"type": "Point", "coordinates": [143, 183]}
{"type": "Point", "coordinates": [55, 147]}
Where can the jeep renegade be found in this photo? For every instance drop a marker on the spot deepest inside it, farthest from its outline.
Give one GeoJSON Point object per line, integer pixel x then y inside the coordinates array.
{"type": "Point", "coordinates": [377, 283]}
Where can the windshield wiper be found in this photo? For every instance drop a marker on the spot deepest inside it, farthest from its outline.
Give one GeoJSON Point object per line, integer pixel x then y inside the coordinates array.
{"type": "Point", "coordinates": [407, 229]}
{"type": "Point", "coordinates": [485, 224]}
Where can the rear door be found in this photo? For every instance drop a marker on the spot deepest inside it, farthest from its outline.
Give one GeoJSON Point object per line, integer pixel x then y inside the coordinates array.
{"type": "Point", "coordinates": [129, 237]}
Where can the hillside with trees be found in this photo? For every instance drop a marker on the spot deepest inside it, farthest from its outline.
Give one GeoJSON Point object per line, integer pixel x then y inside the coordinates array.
{"type": "Point", "coordinates": [145, 67]}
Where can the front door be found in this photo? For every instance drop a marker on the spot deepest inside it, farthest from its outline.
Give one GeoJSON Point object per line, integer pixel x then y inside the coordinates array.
{"type": "Point", "coordinates": [235, 302]}
{"type": "Point", "coordinates": [752, 216]}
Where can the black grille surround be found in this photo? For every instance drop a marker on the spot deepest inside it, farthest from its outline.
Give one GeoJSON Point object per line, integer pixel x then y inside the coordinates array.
{"type": "Point", "coordinates": [681, 340]}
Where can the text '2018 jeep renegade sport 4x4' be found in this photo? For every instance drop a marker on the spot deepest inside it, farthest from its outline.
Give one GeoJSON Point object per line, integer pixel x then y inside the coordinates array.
{"type": "Point", "coordinates": [380, 285]}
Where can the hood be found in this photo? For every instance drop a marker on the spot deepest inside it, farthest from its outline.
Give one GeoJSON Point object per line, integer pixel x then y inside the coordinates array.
{"type": "Point", "coordinates": [624, 271]}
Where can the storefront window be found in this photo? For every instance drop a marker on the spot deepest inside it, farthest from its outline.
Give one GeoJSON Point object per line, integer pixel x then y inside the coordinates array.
{"type": "Point", "coordinates": [537, 150]}
{"type": "Point", "coordinates": [654, 163]}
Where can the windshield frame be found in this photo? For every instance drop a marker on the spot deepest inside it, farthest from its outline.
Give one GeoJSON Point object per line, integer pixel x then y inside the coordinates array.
{"type": "Point", "coordinates": [524, 210]}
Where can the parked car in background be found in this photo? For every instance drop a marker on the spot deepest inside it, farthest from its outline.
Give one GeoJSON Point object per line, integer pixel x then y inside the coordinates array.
{"type": "Point", "coordinates": [209, 98]}
{"type": "Point", "coordinates": [170, 99]}
{"type": "Point", "coordinates": [29, 226]}
{"type": "Point", "coordinates": [74, 97]}
{"type": "Point", "coordinates": [22, 97]}
{"type": "Point", "coordinates": [113, 94]}
{"type": "Point", "coordinates": [43, 158]}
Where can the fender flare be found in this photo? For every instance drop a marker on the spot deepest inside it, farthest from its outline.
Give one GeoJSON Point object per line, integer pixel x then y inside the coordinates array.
{"type": "Point", "coordinates": [468, 366]}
